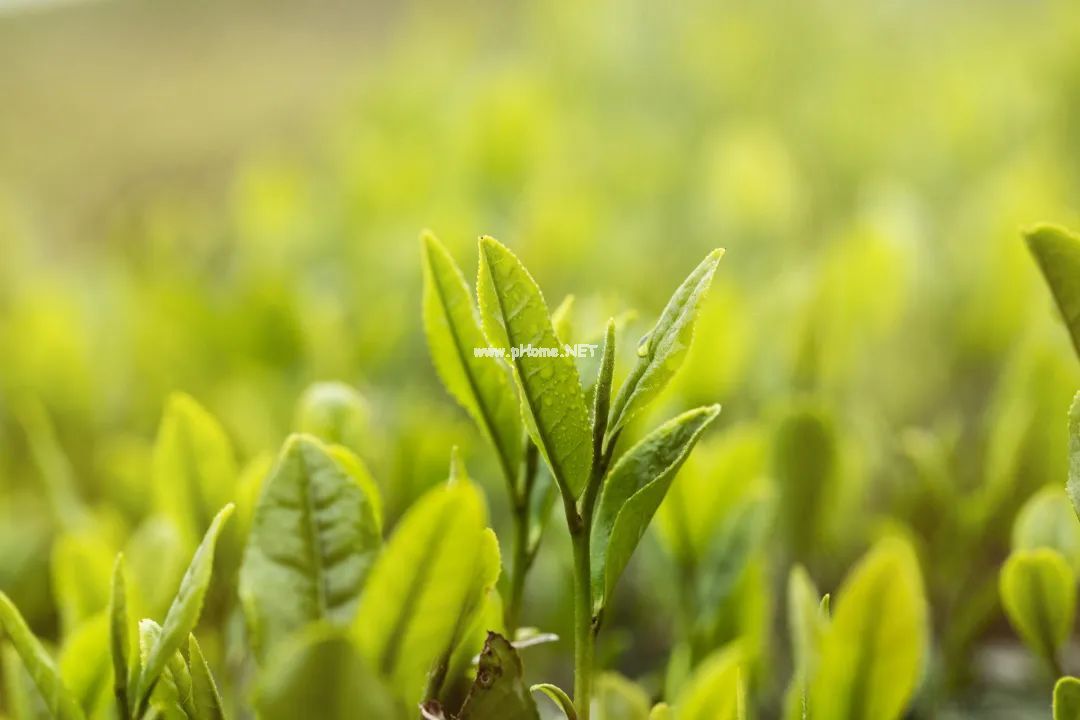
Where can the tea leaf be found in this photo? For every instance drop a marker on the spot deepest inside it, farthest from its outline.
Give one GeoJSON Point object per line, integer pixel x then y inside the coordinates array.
{"type": "Point", "coordinates": [120, 638]}
{"type": "Point", "coordinates": [634, 490]}
{"type": "Point", "coordinates": [315, 532]}
{"type": "Point", "coordinates": [499, 690]}
{"type": "Point", "coordinates": [559, 697]}
{"type": "Point", "coordinates": [1067, 699]}
{"type": "Point", "coordinates": [807, 621]}
{"type": "Point", "coordinates": [481, 384]}
{"type": "Point", "coordinates": [804, 464]}
{"type": "Point", "coordinates": [1057, 251]}
{"type": "Point", "coordinates": [84, 664]}
{"type": "Point", "coordinates": [204, 692]}
{"type": "Point", "coordinates": [335, 413]}
{"type": "Point", "coordinates": [712, 692]}
{"type": "Point", "coordinates": [1038, 592]}
{"type": "Point", "coordinates": [320, 670]}
{"type": "Point", "coordinates": [52, 463]}
{"type": "Point", "coordinates": [60, 702]}
{"type": "Point", "coordinates": [1047, 520]}
{"type": "Point", "coordinates": [423, 589]}
{"type": "Point", "coordinates": [81, 568]}
{"type": "Point", "coordinates": [663, 349]}
{"type": "Point", "coordinates": [22, 700]}
{"type": "Point", "coordinates": [194, 470]}
{"type": "Point", "coordinates": [167, 697]}
{"type": "Point", "coordinates": [185, 610]}
{"type": "Point", "coordinates": [868, 667]}
{"type": "Point", "coordinates": [617, 698]}
{"type": "Point", "coordinates": [602, 390]}
{"type": "Point", "coordinates": [661, 711]}
{"type": "Point", "coordinates": [514, 315]}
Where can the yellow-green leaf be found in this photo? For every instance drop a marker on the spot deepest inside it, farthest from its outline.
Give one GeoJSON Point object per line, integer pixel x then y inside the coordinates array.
{"type": "Point", "coordinates": [805, 466]}
{"type": "Point", "coordinates": [481, 384]}
{"type": "Point", "coordinates": [662, 351]}
{"type": "Point", "coordinates": [617, 698]}
{"type": "Point", "coordinates": [1047, 520]}
{"type": "Point", "coordinates": [204, 692]}
{"type": "Point", "coordinates": [1057, 251]}
{"type": "Point", "coordinates": [81, 568]}
{"type": "Point", "coordinates": [335, 413]}
{"type": "Point", "coordinates": [1067, 699]}
{"type": "Point", "coordinates": [514, 316]}
{"type": "Point", "coordinates": [120, 638]}
{"type": "Point", "coordinates": [1072, 485]}
{"type": "Point", "coordinates": [713, 690]}
{"type": "Point", "coordinates": [60, 702]}
{"type": "Point", "coordinates": [873, 651]}
{"type": "Point", "coordinates": [633, 491]}
{"type": "Point", "coordinates": [1038, 592]}
{"type": "Point", "coordinates": [85, 666]}
{"type": "Point", "coordinates": [313, 540]}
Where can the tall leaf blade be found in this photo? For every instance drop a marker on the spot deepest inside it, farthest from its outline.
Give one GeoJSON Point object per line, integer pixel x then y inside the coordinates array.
{"type": "Point", "coordinates": [414, 604]}
{"type": "Point", "coordinates": [204, 692]}
{"type": "Point", "coordinates": [634, 490]}
{"type": "Point", "coordinates": [873, 651]}
{"type": "Point", "coordinates": [514, 315]}
{"type": "Point", "coordinates": [313, 540]}
{"type": "Point", "coordinates": [663, 350]}
{"type": "Point", "coordinates": [185, 609]}
{"type": "Point", "coordinates": [58, 699]}
{"type": "Point", "coordinates": [499, 690]}
{"type": "Point", "coordinates": [1057, 251]}
{"type": "Point", "coordinates": [120, 638]}
{"type": "Point", "coordinates": [480, 384]}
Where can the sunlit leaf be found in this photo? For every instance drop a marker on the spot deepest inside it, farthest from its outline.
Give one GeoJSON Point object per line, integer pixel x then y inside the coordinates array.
{"type": "Point", "coordinates": [712, 692]}
{"type": "Point", "coordinates": [85, 666]}
{"type": "Point", "coordinates": [873, 651]}
{"type": "Point", "coordinates": [1038, 592]}
{"type": "Point", "coordinates": [81, 568]}
{"type": "Point", "coordinates": [499, 690]}
{"type": "Point", "coordinates": [313, 540]}
{"type": "Point", "coordinates": [1047, 520]}
{"type": "Point", "coordinates": [514, 315]}
{"type": "Point", "coordinates": [1057, 252]}
{"type": "Point", "coordinates": [634, 490]}
{"type": "Point", "coordinates": [662, 351]}
{"type": "Point", "coordinates": [481, 384]}
{"type": "Point", "coordinates": [120, 638]}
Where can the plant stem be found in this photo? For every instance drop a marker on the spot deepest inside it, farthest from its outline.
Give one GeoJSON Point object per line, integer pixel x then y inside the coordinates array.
{"type": "Point", "coordinates": [521, 554]}
{"type": "Point", "coordinates": [584, 625]}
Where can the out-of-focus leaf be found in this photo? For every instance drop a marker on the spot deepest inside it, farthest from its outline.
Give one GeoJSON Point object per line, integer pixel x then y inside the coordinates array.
{"type": "Point", "coordinates": [1067, 699]}
{"type": "Point", "coordinates": [1057, 251]}
{"type": "Point", "coordinates": [184, 612]}
{"type": "Point", "coordinates": [120, 638]}
{"type": "Point", "coordinates": [81, 568]}
{"type": "Point", "coordinates": [806, 623]}
{"type": "Point", "coordinates": [413, 606]}
{"type": "Point", "coordinates": [321, 670]}
{"type": "Point", "coordinates": [61, 703]}
{"type": "Point", "coordinates": [1048, 520]}
{"type": "Point", "coordinates": [617, 698]}
{"type": "Point", "coordinates": [84, 664]}
{"type": "Point", "coordinates": [499, 690]}
{"type": "Point", "coordinates": [562, 319]}
{"type": "Point", "coordinates": [314, 538]}
{"type": "Point", "coordinates": [514, 315]}
{"type": "Point", "coordinates": [52, 463]}
{"type": "Point", "coordinates": [481, 384]}
{"type": "Point", "coordinates": [204, 692]}
{"type": "Point", "coordinates": [662, 351]}
{"type": "Point", "coordinates": [634, 490]}
{"type": "Point", "coordinates": [661, 711]}
{"type": "Point", "coordinates": [1072, 485]}
{"type": "Point", "coordinates": [335, 413]}
{"type": "Point", "coordinates": [558, 696]}
{"type": "Point", "coordinates": [1038, 592]}
{"type": "Point", "coordinates": [22, 700]}
{"type": "Point", "coordinates": [873, 651]}
{"type": "Point", "coordinates": [733, 544]}
{"type": "Point", "coordinates": [155, 558]}
{"type": "Point", "coordinates": [804, 465]}
{"type": "Point", "coordinates": [712, 691]}
{"type": "Point", "coordinates": [194, 470]}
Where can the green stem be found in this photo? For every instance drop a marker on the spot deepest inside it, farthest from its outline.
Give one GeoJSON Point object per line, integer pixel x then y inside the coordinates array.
{"type": "Point", "coordinates": [520, 552]}
{"type": "Point", "coordinates": [585, 627]}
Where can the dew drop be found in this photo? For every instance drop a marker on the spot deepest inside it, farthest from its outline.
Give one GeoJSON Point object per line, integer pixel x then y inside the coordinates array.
{"type": "Point", "coordinates": [643, 344]}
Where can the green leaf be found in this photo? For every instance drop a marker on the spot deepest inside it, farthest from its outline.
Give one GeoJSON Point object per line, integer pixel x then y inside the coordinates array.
{"type": "Point", "coordinates": [712, 692]}
{"type": "Point", "coordinates": [335, 413]}
{"type": "Point", "coordinates": [120, 638]}
{"type": "Point", "coordinates": [84, 664]}
{"type": "Point", "coordinates": [156, 559]}
{"type": "Point", "coordinates": [1072, 485]}
{"type": "Point", "coordinates": [514, 315]}
{"type": "Point", "coordinates": [194, 470]}
{"type": "Point", "coordinates": [52, 463]}
{"type": "Point", "coordinates": [1067, 699]}
{"type": "Point", "coordinates": [499, 690]}
{"type": "Point", "coordinates": [423, 589]}
{"type": "Point", "coordinates": [1047, 520]}
{"type": "Point", "coordinates": [661, 711]}
{"type": "Point", "coordinates": [167, 695]}
{"type": "Point", "coordinates": [662, 351]}
{"type": "Point", "coordinates": [1057, 251]}
{"type": "Point", "coordinates": [204, 692]}
{"type": "Point", "coordinates": [806, 623]}
{"type": "Point", "coordinates": [22, 701]}
{"type": "Point", "coordinates": [602, 391]}
{"type": "Point", "coordinates": [634, 490]}
{"type": "Point", "coordinates": [804, 464]}
{"type": "Point", "coordinates": [1038, 592]}
{"type": "Point", "coordinates": [60, 702]}
{"type": "Point", "coordinates": [557, 696]}
{"type": "Point", "coordinates": [617, 698]}
{"type": "Point", "coordinates": [81, 568]}
{"type": "Point", "coordinates": [321, 669]}
{"type": "Point", "coordinates": [873, 651]}
{"type": "Point", "coordinates": [185, 610]}
{"type": "Point", "coordinates": [314, 532]}
{"type": "Point", "coordinates": [482, 385]}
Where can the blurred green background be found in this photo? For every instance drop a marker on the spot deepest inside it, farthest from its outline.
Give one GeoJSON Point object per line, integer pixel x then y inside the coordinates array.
{"type": "Point", "coordinates": [225, 199]}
